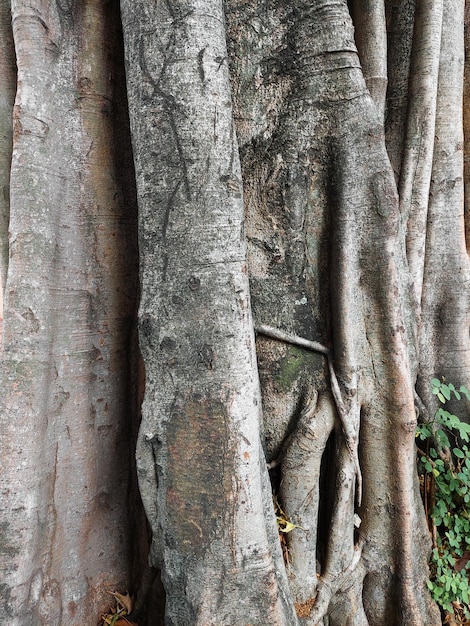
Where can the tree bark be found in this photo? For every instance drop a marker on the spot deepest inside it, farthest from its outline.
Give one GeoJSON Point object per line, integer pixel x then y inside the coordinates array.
{"type": "Point", "coordinates": [203, 483]}
{"type": "Point", "coordinates": [445, 319]}
{"type": "Point", "coordinates": [69, 305]}
{"type": "Point", "coordinates": [7, 96]}
{"type": "Point", "coordinates": [299, 174]}
{"type": "Point", "coordinates": [326, 256]}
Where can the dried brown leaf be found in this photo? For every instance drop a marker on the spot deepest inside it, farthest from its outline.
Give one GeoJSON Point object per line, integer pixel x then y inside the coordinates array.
{"type": "Point", "coordinates": [124, 600]}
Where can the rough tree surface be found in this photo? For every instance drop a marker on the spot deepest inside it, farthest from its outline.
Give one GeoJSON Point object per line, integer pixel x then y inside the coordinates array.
{"type": "Point", "coordinates": [292, 173]}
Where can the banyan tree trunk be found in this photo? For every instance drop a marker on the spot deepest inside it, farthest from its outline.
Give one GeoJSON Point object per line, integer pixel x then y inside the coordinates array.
{"type": "Point", "coordinates": [293, 171]}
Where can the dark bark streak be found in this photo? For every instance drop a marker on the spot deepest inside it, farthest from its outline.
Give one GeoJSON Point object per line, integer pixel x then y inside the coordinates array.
{"type": "Point", "coordinates": [150, 573]}
{"type": "Point", "coordinates": [200, 65]}
{"type": "Point", "coordinates": [169, 103]}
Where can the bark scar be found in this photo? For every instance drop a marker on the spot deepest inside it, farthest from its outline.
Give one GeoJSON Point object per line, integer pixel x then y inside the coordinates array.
{"type": "Point", "coordinates": [200, 65]}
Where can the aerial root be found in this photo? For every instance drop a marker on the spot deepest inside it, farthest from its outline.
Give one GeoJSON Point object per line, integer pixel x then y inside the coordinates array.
{"type": "Point", "coordinates": [349, 422]}
{"type": "Point", "coordinates": [329, 585]}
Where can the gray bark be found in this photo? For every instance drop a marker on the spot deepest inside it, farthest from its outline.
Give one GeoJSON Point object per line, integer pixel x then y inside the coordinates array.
{"type": "Point", "coordinates": [198, 456]}
{"type": "Point", "coordinates": [299, 175]}
{"type": "Point", "coordinates": [69, 303]}
{"type": "Point", "coordinates": [7, 96]}
{"type": "Point", "coordinates": [445, 319]}
{"type": "Point", "coordinates": [326, 256]}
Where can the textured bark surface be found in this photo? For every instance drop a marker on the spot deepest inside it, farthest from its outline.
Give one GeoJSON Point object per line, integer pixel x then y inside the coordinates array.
{"type": "Point", "coordinates": [327, 262]}
{"type": "Point", "coordinates": [7, 96]}
{"type": "Point", "coordinates": [445, 319]}
{"type": "Point", "coordinates": [199, 438]}
{"type": "Point", "coordinates": [299, 174]}
{"type": "Point", "coordinates": [65, 425]}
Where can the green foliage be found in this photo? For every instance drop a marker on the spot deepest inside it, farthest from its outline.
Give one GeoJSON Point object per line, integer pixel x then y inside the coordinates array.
{"type": "Point", "coordinates": [446, 480]}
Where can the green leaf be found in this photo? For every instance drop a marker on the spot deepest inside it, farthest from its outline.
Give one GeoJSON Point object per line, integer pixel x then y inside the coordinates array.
{"type": "Point", "coordinates": [442, 438]}
{"type": "Point", "coordinates": [445, 391]}
{"type": "Point", "coordinates": [465, 596]}
{"type": "Point", "coordinates": [458, 453]}
{"type": "Point", "coordinates": [465, 392]}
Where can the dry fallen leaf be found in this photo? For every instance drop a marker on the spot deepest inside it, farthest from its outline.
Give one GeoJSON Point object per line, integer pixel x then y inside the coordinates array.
{"type": "Point", "coordinates": [117, 616]}
{"type": "Point", "coordinates": [462, 562]}
{"type": "Point", "coordinates": [124, 599]}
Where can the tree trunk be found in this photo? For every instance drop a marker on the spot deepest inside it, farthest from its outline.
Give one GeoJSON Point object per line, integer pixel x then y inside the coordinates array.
{"type": "Point", "coordinates": [304, 273]}
{"type": "Point", "coordinates": [69, 305]}
{"type": "Point", "coordinates": [199, 437]}
{"type": "Point", "coordinates": [327, 263]}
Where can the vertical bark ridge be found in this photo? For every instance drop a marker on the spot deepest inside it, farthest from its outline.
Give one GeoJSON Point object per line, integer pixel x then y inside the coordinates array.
{"type": "Point", "coordinates": [69, 305]}
{"type": "Point", "coordinates": [7, 97]}
{"type": "Point", "coordinates": [415, 173]}
{"type": "Point", "coordinates": [371, 41]}
{"type": "Point", "coordinates": [445, 301]}
{"type": "Point", "coordinates": [466, 122]}
{"type": "Point", "coordinates": [300, 491]}
{"type": "Point", "coordinates": [369, 197]}
{"type": "Point", "coordinates": [390, 417]}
